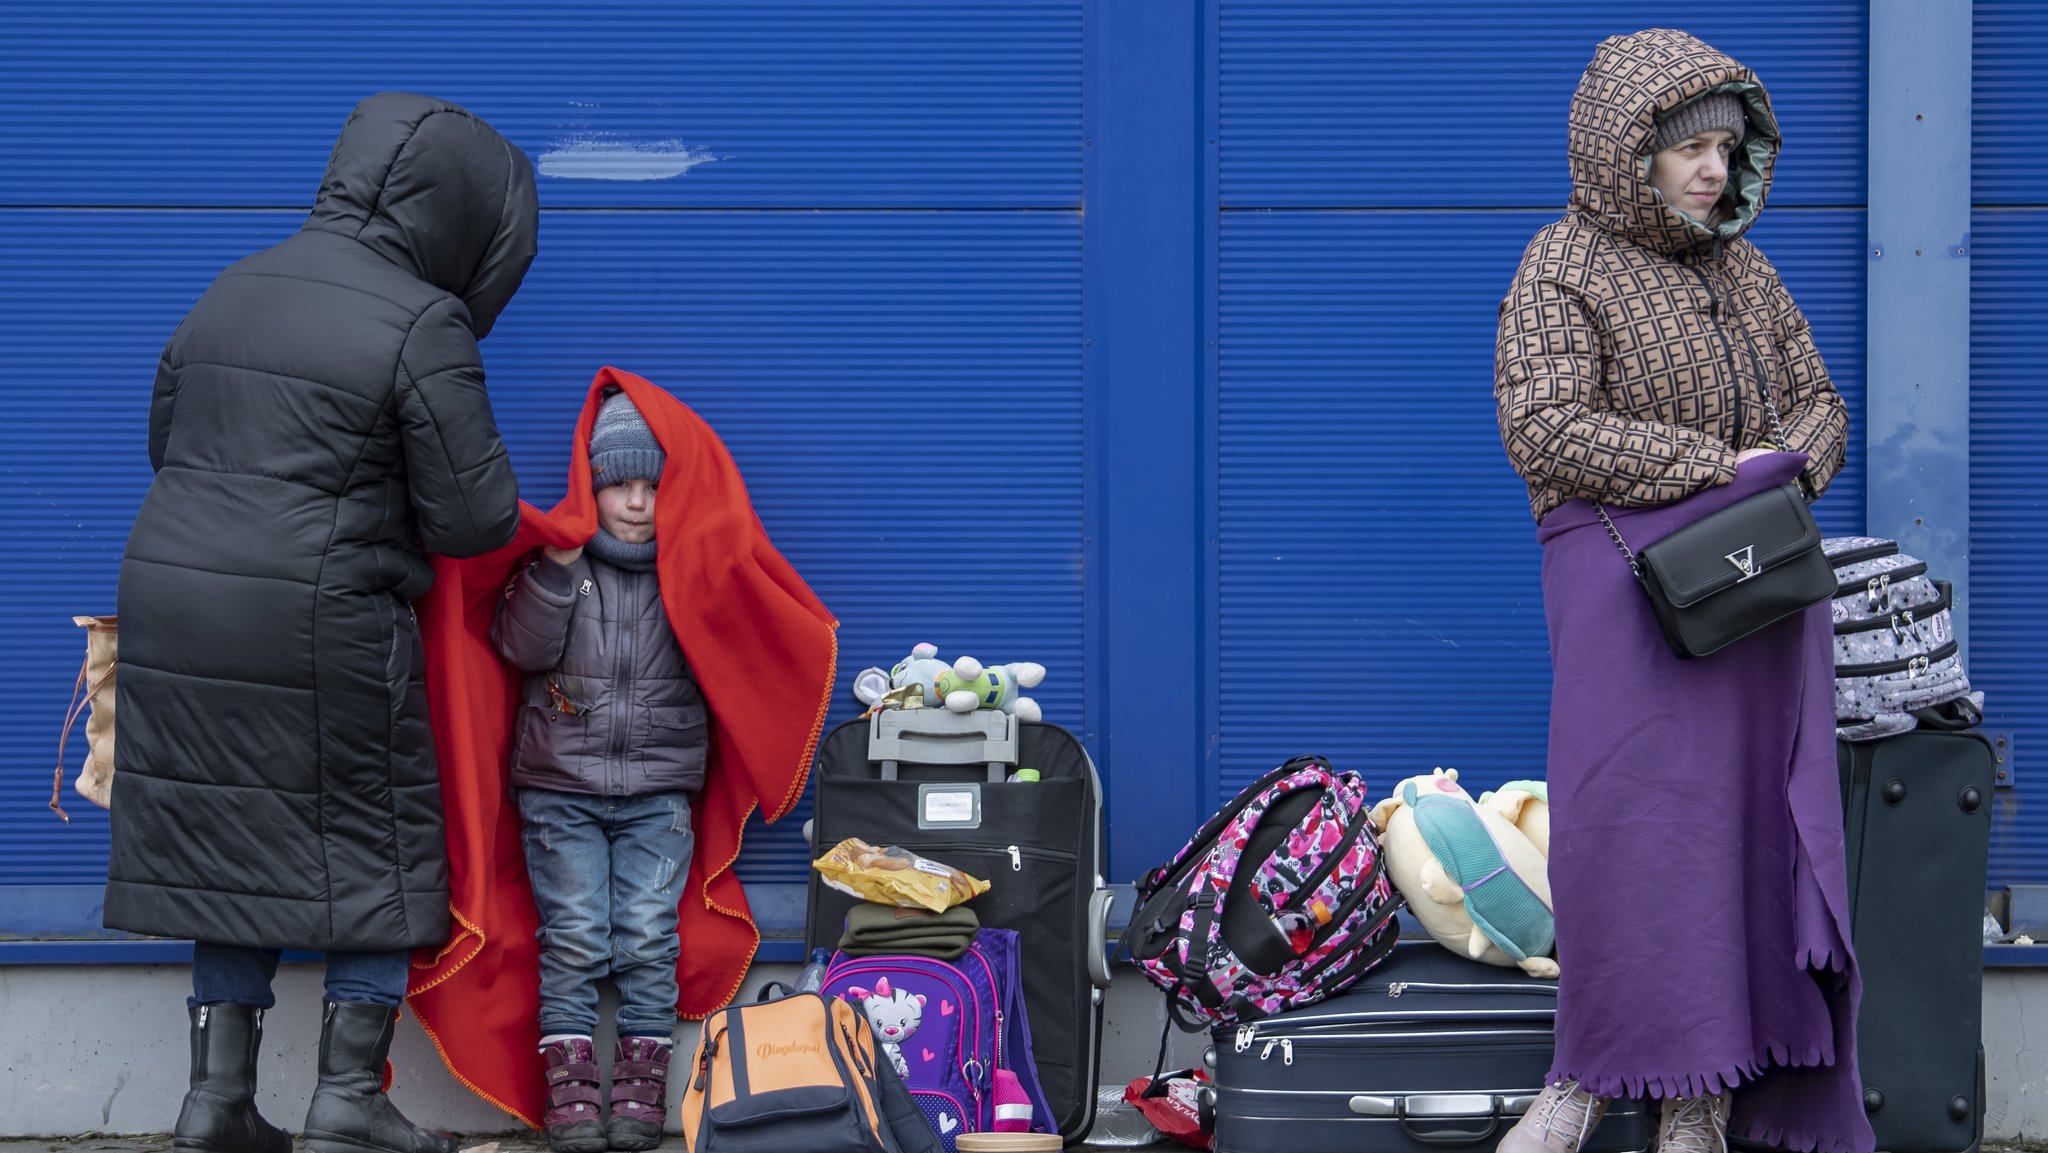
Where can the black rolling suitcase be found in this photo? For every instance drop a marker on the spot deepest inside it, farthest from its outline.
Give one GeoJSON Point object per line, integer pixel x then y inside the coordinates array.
{"type": "Point", "coordinates": [1428, 1051]}
{"type": "Point", "coordinates": [944, 785]}
{"type": "Point", "coordinates": [1918, 811]}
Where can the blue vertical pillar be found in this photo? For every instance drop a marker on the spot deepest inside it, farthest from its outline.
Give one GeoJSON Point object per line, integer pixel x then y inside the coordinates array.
{"type": "Point", "coordinates": [1143, 400]}
{"type": "Point", "coordinates": [1918, 436]}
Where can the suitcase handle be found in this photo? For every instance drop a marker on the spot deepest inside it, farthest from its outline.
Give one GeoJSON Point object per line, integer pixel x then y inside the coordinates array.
{"type": "Point", "coordinates": [1435, 1108]}
{"type": "Point", "coordinates": [939, 737]}
{"type": "Point", "coordinates": [1099, 904]}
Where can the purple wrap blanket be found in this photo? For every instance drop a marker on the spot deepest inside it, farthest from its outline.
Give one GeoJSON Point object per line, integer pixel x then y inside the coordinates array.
{"type": "Point", "coordinates": [1696, 853]}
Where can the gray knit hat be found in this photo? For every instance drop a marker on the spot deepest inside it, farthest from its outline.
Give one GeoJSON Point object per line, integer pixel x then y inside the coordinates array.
{"type": "Point", "coordinates": [622, 447]}
{"type": "Point", "coordinates": [1714, 110]}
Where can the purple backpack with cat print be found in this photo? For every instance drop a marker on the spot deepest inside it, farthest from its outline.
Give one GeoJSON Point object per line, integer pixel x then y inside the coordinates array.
{"type": "Point", "coordinates": [947, 1026]}
{"type": "Point", "coordinates": [1279, 901]}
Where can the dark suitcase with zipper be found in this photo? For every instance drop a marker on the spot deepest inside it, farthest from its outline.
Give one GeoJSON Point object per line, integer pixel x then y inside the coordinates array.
{"type": "Point", "coordinates": [1427, 1051]}
{"type": "Point", "coordinates": [940, 784]}
{"type": "Point", "coordinates": [1918, 809]}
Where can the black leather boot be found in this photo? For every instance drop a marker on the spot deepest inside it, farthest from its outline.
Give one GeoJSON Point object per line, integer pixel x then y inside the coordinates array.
{"type": "Point", "coordinates": [219, 1114]}
{"type": "Point", "coordinates": [350, 1113]}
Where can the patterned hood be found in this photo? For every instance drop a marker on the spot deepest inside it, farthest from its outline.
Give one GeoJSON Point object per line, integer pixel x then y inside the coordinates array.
{"type": "Point", "coordinates": [1632, 81]}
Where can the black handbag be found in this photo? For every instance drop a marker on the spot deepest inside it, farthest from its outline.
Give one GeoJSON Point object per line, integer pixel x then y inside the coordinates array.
{"type": "Point", "coordinates": [1734, 571]}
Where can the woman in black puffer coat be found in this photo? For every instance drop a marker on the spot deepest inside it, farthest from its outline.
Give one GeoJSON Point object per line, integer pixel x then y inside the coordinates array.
{"type": "Point", "coordinates": [319, 424]}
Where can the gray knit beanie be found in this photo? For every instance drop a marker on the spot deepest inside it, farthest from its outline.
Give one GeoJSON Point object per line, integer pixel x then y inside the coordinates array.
{"type": "Point", "coordinates": [1714, 110]}
{"type": "Point", "coordinates": [622, 447]}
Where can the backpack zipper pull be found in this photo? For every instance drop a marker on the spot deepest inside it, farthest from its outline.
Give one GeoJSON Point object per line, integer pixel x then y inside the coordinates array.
{"type": "Point", "coordinates": [704, 1056]}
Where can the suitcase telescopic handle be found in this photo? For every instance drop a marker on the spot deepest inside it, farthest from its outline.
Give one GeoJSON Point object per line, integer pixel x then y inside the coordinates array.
{"type": "Point", "coordinates": [1436, 1109]}
{"type": "Point", "coordinates": [938, 737]}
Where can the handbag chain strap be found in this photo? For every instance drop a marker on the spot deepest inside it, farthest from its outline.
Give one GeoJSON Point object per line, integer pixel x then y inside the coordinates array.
{"type": "Point", "coordinates": [1635, 566]}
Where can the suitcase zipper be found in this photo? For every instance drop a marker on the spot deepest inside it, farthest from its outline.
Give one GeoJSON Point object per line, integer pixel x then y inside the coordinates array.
{"type": "Point", "coordinates": [1398, 988]}
{"type": "Point", "coordinates": [1015, 852]}
{"type": "Point", "coordinates": [1286, 1045]}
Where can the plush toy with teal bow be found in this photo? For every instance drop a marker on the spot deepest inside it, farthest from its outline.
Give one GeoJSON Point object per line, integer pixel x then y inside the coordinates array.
{"type": "Point", "coordinates": [1475, 881]}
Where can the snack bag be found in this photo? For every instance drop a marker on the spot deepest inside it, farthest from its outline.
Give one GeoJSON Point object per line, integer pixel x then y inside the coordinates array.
{"type": "Point", "coordinates": [893, 876]}
{"type": "Point", "coordinates": [1173, 1103]}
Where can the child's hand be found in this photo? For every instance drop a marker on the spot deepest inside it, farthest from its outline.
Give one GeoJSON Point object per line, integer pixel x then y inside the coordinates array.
{"type": "Point", "coordinates": [562, 556]}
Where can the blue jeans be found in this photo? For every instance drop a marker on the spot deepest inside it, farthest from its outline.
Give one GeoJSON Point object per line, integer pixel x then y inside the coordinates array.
{"type": "Point", "coordinates": [241, 975]}
{"type": "Point", "coordinates": [607, 875]}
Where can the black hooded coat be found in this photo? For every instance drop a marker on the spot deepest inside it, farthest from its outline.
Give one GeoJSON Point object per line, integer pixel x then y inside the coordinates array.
{"type": "Point", "coordinates": [319, 422]}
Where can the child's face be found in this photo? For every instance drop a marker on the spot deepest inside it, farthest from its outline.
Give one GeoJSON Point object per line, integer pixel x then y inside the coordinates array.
{"type": "Point", "coordinates": [627, 510]}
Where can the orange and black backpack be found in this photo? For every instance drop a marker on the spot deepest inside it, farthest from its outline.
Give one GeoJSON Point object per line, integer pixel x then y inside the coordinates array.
{"type": "Point", "coordinates": [797, 1072]}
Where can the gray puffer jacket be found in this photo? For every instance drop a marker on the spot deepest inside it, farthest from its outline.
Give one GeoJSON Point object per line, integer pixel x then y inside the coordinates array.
{"type": "Point", "coordinates": [608, 705]}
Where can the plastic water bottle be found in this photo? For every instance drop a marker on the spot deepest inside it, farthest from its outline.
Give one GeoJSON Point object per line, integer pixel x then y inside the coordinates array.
{"type": "Point", "coordinates": [812, 979]}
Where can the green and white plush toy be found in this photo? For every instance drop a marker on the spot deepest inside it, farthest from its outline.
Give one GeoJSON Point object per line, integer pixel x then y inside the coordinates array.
{"type": "Point", "coordinates": [993, 687]}
{"type": "Point", "coordinates": [922, 679]}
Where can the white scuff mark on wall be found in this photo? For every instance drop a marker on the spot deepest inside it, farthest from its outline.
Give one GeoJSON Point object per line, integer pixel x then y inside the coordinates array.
{"type": "Point", "coordinates": [611, 157]}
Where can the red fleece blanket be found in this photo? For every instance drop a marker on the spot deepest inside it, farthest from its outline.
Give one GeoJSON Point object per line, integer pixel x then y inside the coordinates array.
{"type": "Point", "coordinates": [764, 649]}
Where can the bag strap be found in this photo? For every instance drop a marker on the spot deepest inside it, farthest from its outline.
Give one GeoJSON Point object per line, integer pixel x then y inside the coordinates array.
{"type": "Point", "coordinates": [80, 700]}
{"type": "Point", "coordinates": [1635, 566]}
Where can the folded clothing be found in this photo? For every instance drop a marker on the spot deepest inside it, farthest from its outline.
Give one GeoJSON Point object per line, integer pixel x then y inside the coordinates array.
{"type": "Point", "coordinates": [872, 930]}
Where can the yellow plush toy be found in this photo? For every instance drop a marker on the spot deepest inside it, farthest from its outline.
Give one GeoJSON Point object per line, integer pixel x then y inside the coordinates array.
{"type": "Point", "coordinates": [1478, 884]}
{"type": "Point", "coordinates": [1526, 805]}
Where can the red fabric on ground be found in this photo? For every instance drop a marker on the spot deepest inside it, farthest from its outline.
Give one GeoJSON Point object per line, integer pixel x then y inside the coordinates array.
{"type": "Point", "coordinates": [764, 650]}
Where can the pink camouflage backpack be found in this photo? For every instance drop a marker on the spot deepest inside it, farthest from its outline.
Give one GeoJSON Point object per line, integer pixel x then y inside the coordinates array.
{"type": "Point", "coordinates": [1280, 900]}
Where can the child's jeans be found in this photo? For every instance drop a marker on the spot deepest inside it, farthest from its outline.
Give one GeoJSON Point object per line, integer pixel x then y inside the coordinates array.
{"type": "Point", "coordinates": [607, 875]}
{"type": "Point", "coordinates": [241, 975]}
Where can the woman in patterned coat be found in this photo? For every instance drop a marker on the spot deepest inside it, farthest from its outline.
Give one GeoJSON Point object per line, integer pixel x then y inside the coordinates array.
{"type": "Point", "coordinates": [1651, 361]}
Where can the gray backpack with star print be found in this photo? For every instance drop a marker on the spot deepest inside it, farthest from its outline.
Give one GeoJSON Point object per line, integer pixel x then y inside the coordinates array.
{"type": "Point", "coordinates": [1897, 663]}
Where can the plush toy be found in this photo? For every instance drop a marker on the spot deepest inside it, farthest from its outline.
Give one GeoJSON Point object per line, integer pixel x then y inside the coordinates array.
{"type": "Point", "coordinates": [912, 683]}
{"type": "Point", "coordinates": [993, 687]}
{"type": "Point", "coordinates": [1526, 805]}
{"type": "Point", "coordinates": [1479, 886]}
{"type": "Point", "coordinates": [923, 680]}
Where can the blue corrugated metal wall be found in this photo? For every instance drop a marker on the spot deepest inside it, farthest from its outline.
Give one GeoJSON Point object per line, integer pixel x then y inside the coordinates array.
{"type": "Point", "coordinates": [2008, 413]}
{"type": "Point", "coordinates": [851, 234]}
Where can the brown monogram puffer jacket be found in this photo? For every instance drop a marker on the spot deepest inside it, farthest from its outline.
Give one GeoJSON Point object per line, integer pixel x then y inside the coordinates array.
{"type": "Point", "coordinates": [1636, 346]}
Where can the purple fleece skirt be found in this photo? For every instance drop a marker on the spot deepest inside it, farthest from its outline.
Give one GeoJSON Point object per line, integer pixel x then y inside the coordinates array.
{"type": "Point", "coordinates": [1696, 846]}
